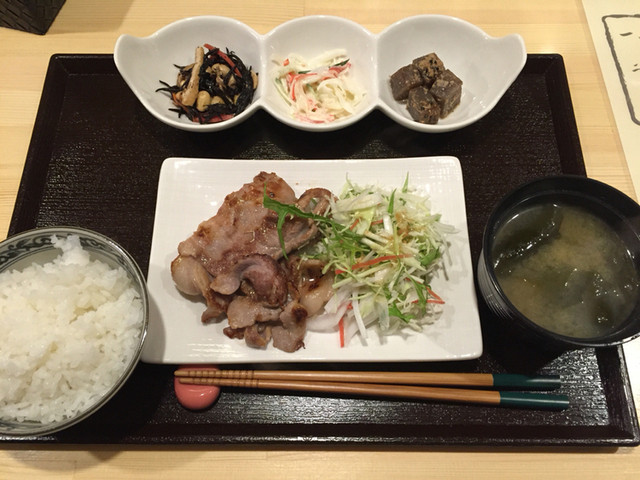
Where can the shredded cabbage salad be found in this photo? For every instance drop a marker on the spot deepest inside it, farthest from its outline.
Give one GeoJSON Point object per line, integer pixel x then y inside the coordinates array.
{"type": "Point", "coordinates": [384, 247]}
{"type": "Point", "coordinates": [319, 90]}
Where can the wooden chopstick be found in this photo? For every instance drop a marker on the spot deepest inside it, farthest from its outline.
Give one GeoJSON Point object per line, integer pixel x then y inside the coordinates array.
{"type": "Point", "coordinates": [458, 395]}
{"type": "Point", "coordinates": [488, 380]}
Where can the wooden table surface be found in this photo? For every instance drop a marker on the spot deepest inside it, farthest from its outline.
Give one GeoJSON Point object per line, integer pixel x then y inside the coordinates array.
{"type": "Point", "coordinates": [92, 26]}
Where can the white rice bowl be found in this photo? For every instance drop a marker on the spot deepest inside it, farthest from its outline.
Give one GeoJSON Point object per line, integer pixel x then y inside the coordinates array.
{"type": "Point", "coordinates": [71, 328]}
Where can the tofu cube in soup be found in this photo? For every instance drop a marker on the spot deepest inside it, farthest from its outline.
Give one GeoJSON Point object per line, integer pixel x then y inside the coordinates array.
{"type": "Point", "coordinates": [404, 80]}
{"type": "Point", "coordinates": [430, 67]}
{"type": "Point", "coordinates": [422, 106]}
{"type": "Point", "coordinates": [447, 90]}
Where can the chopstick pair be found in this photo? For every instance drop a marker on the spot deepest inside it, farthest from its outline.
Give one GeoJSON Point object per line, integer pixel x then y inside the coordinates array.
{"type": "Point", "coordinates": [417, 385]}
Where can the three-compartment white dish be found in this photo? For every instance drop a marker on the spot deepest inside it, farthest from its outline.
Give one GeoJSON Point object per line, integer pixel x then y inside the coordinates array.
{"type": "Point", "coordinates": [486, 65]}
{"type": "Point", "coordinates": [191, 190]}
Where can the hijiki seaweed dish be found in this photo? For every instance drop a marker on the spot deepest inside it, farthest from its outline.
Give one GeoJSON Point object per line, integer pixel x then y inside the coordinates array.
{"type": "Point", "coordinates": [215, 88]}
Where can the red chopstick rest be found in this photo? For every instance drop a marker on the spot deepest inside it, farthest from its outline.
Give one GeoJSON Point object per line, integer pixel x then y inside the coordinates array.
{"type": "Point", "coordinates": [196, 397]}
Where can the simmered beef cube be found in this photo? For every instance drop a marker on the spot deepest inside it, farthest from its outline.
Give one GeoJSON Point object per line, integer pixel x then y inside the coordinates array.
{"type": "Point", "coordinates": [430, 67]}
{"type": "Point", "coordinates": [404, 80]}
{"type": "Point", "coordinates": [422, 106]}
{"type": "Point", "coordinates": [447, 90]}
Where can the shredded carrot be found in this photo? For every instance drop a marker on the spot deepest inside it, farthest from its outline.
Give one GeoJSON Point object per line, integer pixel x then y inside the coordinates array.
{"type": "Point", "coordinates": [436, 298]}
{"type": "Point", "coordinates": [374, 261]}
{"type": "Point", "coordinates": [341, 325]}
{"type": "Point", "coordinates": [357, 220]}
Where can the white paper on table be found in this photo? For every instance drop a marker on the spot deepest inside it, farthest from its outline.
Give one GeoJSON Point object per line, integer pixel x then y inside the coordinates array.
{"type": "Point", "coordinates": [615, 29]}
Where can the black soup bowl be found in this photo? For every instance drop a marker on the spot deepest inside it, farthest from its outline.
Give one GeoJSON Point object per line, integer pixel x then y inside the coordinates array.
{"type": "Point", "coordinates": [560, 264]}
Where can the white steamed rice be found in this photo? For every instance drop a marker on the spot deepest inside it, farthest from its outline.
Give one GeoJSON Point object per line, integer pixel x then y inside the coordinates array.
{"type": "Point", "coordinates": [69, 329]}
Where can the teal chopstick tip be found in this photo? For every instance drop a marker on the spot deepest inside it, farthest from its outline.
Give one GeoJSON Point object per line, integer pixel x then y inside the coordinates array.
{"type": "Point", "coordinates": [534, 400]}
{"type": "Point", "coordinates": [525, 382]}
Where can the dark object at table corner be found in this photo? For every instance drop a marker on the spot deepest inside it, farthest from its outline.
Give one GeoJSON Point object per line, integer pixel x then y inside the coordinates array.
{"type": "Point", "coordinates": [95, 162]}
{"type": "Point", "coordinates": [32, 16]}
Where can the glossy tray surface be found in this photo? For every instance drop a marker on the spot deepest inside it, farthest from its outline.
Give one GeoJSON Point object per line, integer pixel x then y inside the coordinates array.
{"type": "Point", "coordinates": [95, 161]}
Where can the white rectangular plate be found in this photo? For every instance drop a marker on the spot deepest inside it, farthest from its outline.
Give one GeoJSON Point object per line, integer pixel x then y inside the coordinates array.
{"type": "Point", "coordinates": [191, 190]}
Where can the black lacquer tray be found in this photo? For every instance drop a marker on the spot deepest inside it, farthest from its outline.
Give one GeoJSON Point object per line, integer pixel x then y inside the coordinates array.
{"type": "Point", "coordinates": [94, 161]}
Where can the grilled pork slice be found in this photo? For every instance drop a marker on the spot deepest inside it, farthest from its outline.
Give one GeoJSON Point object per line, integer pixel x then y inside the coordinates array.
{"type": "Point", "coordinates": [235, 254]}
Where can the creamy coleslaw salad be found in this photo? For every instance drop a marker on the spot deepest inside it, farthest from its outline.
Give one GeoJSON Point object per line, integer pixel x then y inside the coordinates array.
{"type": "Point", "coordinates": [318, 90]}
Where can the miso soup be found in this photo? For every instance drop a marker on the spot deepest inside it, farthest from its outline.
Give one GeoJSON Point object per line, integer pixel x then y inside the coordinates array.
{"type": "Point", "coordinates": [565, 269]}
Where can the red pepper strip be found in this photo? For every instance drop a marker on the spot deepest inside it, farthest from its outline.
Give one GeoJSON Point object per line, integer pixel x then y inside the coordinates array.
{"type": "Point", "coordinates": [373, 261]}
{"type": "Point", "coordinates": [286, 62]}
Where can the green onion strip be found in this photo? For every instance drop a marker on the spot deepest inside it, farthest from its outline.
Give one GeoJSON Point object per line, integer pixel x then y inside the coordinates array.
{"type": "Point", "coordinates": [384, 247]}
